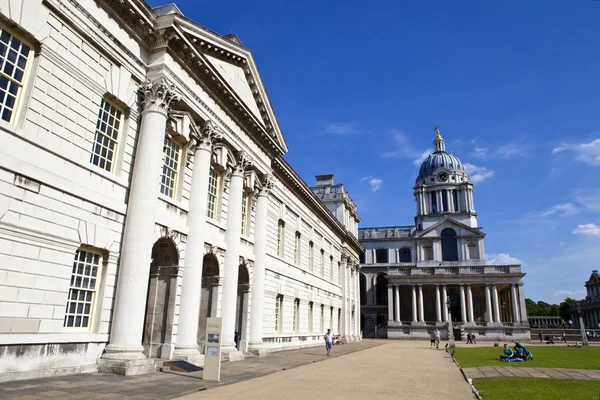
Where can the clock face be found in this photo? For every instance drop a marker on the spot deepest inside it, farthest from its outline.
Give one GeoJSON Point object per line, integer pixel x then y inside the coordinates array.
{"type": "Point", "coordinates": [442, 177]}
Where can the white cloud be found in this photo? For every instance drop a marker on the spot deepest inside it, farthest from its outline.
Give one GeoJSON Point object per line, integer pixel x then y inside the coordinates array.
{"type": "Point", "coordinates": [405, 149]}
{"type": "Point", "coordinates": [480, 152]}
{"type": "Point", "coordinates": [574, 293]}
{"type": "Point", "coordinates": [587, 229]}
{"type": "Point", "coordinates": [342, 128]}
{"type": "Point", "coordinates": [511, 150]}
{"type": "Point", "coordinates": [590, 201]}
{"type": "Point", "coordinates": [503, 259]}
{"type": "Point", "coordinates": [562, 210]}
{"type": "Point", "coordinates": [421, 157]}
{"type": "Point", "coordinates": [587, 153]}
{"type": "Point", "coordinates": [374, 182]}
{"type": "Point", "coordinates": [477, 173]}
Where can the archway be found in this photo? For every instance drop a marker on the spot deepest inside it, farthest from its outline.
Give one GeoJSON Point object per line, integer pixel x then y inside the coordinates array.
{"type": "Point", "coordinates": [209, 294]}
{"type": "Point", "coordinates": [449, 245]}
{"type": "Point", "coordinates": [160, 301]}
{"type": "Point", "coordinates": [363, 290]}
{"type": "Point", "coordinates": [241, 313]}
{"type": "Point", "coordinates": [382, 295]}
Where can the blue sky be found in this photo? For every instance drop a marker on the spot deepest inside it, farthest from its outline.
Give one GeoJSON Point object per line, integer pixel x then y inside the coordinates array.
{"type": "Point", "coordinates": [358, 86]}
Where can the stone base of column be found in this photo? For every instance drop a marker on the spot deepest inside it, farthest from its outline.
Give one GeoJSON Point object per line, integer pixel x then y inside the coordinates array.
{"type": "Point", "coordinates": [125, 361]}
{"type": "Point", "coordinates": [395, 323]}
{"type": "Point", "coordinates": [470, 325]}
{"type": "Point", "coordinates": [258, 349]}
{"type": "Point", "coordinates": [231, 354]}
{"type": "Point", "coordinates": [189, 354]}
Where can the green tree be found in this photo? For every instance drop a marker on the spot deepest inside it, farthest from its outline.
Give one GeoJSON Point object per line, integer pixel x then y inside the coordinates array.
{"type": "Point", "coordinates": [565, 308]}
{"type": "Point", "coordinates": [532, 308]}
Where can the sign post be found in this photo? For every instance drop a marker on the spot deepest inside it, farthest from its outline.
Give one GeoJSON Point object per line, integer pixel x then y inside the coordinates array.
{"type": "Point", "coordinates": [212, 356]}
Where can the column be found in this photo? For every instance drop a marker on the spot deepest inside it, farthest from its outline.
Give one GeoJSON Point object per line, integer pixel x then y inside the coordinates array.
{"type": "Point", "coordinates": [444, 306]}
{"type": "Point", "coordinates": [397, 304]}
{"type": "Point", "coordinates": [391, 303]}
{"type": "Point", "coordinates": [138, 236]}
{"type": "Point", "coordinates": [343, 257]}
{"type": "Point", "coordinates": [523, 308]}
{"type": "Point", "coordinates": [357, 302]}
{"type": "Point", "coordinates": [515, 304]}
{"type": "Point", "coordinates": [260, 261]}
{"type": "Point", "coordinates": [488, 304]}
{"type": "Point", "coordinates": [438, 308]}
{"type": "Point", "coordinates": [463, 307]}
{"type": "Point", "coordinates": [189, 309]}
{"type": "Point", "coordinates": [421, 313]}
{"type": "Point", "coordinates": [471, 312]}
{"type": "Point", "coordinates": [414, 304]}
{"type": "Point", "coordinates": [232, 255]}
{"type": "Point", "coordinates": [496, 304]}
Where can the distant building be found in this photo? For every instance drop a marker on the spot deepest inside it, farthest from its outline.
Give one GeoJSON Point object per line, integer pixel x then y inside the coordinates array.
{"type": "Point", "coordinates": [590, 306]}
{"type": "Point", "coordinates": [408, 272]}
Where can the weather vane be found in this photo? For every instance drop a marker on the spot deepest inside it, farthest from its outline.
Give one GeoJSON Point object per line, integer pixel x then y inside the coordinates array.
{"type": "Point", "coordinates": [436, 128]}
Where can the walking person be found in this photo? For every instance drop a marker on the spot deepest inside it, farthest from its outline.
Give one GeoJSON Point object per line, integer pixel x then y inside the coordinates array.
{"type": "Point", "coordinates": [436, 334]}
{"type": "Point", "coordinates": [329, 341]}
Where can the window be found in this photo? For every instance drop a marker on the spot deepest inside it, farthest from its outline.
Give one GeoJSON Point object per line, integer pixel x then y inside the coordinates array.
{"type": "Point", "coordinates": [381, 289]}
{"type": "Point", "coordinates": [339, 272]}
{"type": "Point", "coordinates": [455, 200]}
{"type": "Point", "coordinates": [245, 208]}
{"type": "Point", "coordinates": [322, 262]}
{"type": "Point", "coordinates": [445, 200]}
{"type": "Point", "coordinates": [405, 255]}
{"type": "Point", "coordinates": [311, 254]}
{"type": "Point", "coordinates": [213, 191]}
{"type": "Point", "coordinates": [331, 268]}
{"type": "Point", "coordinates": [339, 320]}
{"type": "Point", "coordinates": [296, 321]}
{"type": "Point", "coordinates": [310, 316]}
{"type": "Point", "coordinates": [381, 256]}
{"type": "Point", "coordinates": [83, 289]}
{"type": "Point", "coordinates": [428, 251]}
{"type": "Point", "coordinates": [361, 257]}
{"type": "Point", "coordinates": [297, 248]}
{"type": "Point", "coordinates": [331, 318]}
{"type": "Point", "coordinates": [322, 319]}
{"type": "Point", "coordinates": [278, 312]}
{"type": "Point", "coordinates": [170, 171]}
{"type": "Point", "coordinates": [473, 250]}
{"type": "Point", "coordinates": [449, 245]}
{"type": "Point", "coordinates": [280, 237]}
{"type": "Point", "coordinates": [106, 139]}
{"type": "Point", "coordinates": [363, 289]}
{"type": "Point", "coordinates": [434, 202]}
{"type": "Point", "coordinates": [13, 62]}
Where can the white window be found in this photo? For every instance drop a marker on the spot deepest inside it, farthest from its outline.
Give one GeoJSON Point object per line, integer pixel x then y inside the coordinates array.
{"type": "Point", "coordinates": [85, 279]}
{"type": "Point", "coordinates": [322, 262]}
{"type": "Point", "coordinates": [278, 312]}
{"type": "Point", "coordinates": [310, 316]}
{"type": "Point", "coordinates": [245, 215]}
{"type": "Point", "coordinates": [14, 55]}
{"type": "Point", "coordinates": [331, 268]}
{"type": "Point", "coordinates": [213, 193]}
{"type": "Point", "coordinates": [296, 321]}
{"type": "Point", "coordinates": [280, 237]}
{"type": "Point", "coordinates": [297, 248]}
{"type": "Point", "coordinates": [322, 319]}
{"type": "Point", "coordinates": [170, 171]}
{"type": "Point", "coordinates": [311, 254]}
{"type": "Point", "coordinates": [106, 139]}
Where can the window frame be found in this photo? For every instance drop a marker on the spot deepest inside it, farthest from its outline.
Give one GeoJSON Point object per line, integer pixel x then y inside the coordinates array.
{"type": "Point", "coordinates": [280, 238]}
{"type": "Point", "coordinates": [116, 151]}
{"type": "Point", "coordinates": [310, 316]}
{"type": "Point", "coordinates": [177, 172]}
{"type": "Point", "coordinates": [246, 199]}
{"type": "Point", "coordinates": [297, 248]}
{"type": "Point", "coordinates": [322, 263]}
{"type": "Point", "coordinates": [278, 313]}
{"type": "Point", "coordinates": [217, 187]}
{"type": "Point", "coordinates": [296, 320]}
{"type": "Point", "coordinates": [322, 318]}
{"type": "Point", "coordinates": [311, 256]}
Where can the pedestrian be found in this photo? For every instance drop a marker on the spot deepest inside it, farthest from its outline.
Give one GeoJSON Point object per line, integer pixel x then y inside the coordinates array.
{"type": "Point", "coordinates": [437, 338]}
{"type": "Point", "coordinates": [469, 338]}
{"type": "Point", "coordinates": [563, 337]}
{"type": "Point", "coordinates": [541, 337]}
{"type": "Point", "coordinates": [570, 324]}
{"type": "Point", "coordinates": [329, 341]}
{"type": "Point", "coordinates": [432, 340]}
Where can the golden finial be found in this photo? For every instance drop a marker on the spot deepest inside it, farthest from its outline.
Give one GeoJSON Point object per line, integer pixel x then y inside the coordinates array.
{"type": "Point", "coordinates": [438, 136]}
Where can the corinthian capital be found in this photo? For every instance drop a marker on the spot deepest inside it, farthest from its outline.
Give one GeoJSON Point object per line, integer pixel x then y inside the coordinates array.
{"type": "Point", "coordinates": [208, 135]}
{"type": "Point", "coordinates": [158, 95]}
{"type": "Point", "coordinates": [266, 185]}
{"type": "Point", "coordinates": [243, 163]}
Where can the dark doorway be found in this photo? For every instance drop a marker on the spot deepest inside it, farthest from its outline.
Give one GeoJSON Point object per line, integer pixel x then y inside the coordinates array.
{"type": "Point", "coordinates": [209, 294]}
{"type": "Point", "coordinates": [449, 245]}
{"type": "Point", "coordinates": [363, 290]}
{"type": "Point", "coordinates": [241, 316]}
{"type": "Point", "coordinates": [381, 284]}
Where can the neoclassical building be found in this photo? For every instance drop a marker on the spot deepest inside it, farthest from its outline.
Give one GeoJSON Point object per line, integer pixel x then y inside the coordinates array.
{"type": "Point", "coordinates": [409, 273]}
{"type": "Point", "coordinates": [590, 306]}
{"type": "Point", "coordinates": [143, 189]}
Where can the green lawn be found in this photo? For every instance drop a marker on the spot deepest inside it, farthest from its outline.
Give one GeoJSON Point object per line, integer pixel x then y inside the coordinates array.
{"type": "Point", "coordinates": [543, 357]}
{"type": "Point", "coordinates": [502, 388]}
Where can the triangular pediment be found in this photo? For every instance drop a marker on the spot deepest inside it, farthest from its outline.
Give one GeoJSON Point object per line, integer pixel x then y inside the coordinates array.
{"type": "Point", "coordinates": [594, 278]}
{"type": "Point", "coordinates": [460, 228]}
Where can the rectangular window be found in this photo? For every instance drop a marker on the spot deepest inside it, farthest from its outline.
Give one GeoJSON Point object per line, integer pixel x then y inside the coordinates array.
{"type": "Point", "coordinates": [331, 318]}
{"type": "Point", "coordinates": [455, 200]}
{"type": "Point", "coordinates": [322, 262]}
{"type": "Point", "coordinates": [322, 319]}
{"type": "Point", "coordinates": [339, 272]}
{"type": "Point", "coordinates": [297, 248]}
{"type": "Point", "coordinates": [14, 55]}
{"type": "Point", "coordinates": [339, 321]}
{"type": "Point", "coordinates": [278, 312]}
{"type": "Point", "coordinates": [280, 237]}
{"type": "Point", "coordinates": [213, 190]}
{"type": "Point", "coordinates": [311, 253]}
{"type": "Point", "coordinates": [106, 139]}
{"type": "Point", "coordinates": [331, 268]}
{"type": "Point", "coordinates": [85, 277]}
{"type": "Point", "coordinates": [434, 202]}
{"type": "Point", "coordinates": [245, 208]}
{"type": "Point", "coordinates": [310, 316]}
{"type": "Point", "coordinates": [170, 171]}
{"type": "Point", "coordinates": [445, 200]}
{"type": "Point", "coordinates": [296, 313]}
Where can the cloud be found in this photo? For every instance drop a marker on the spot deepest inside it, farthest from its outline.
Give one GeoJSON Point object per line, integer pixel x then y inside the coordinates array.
{"type": "Point", "coordinates": [342, 128]}
{"type": "Point", "coordinates": [590, 201]}
{"type": "Point", "coordinates": [480, 152]}
{"type": "Point", "coordinates": [503, 259]}
{"type": "Point", "coordinates": [405, 149]}
{"type": "Point", "coordinates": [562, 210]}
{"type": "Point", "coordinates": [421, 157]}
{"type": "Point", "coordinates": [511, 150]}
{"type": "Point", "coordinates": [587, 229]}
{"type": "Point", "coordinates": [574, 293]}
{"type": "Point", "coordinates": [478, 174]}
{"type": "Point", "coordinates": [586, 153]}
{"type": "Point", "coordinates": [374, 182]}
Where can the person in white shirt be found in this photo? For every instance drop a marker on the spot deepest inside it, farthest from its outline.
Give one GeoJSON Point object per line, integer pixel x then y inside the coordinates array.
{"type": "Point", "coordinates": [329, 341]}
{"type": "Point", "coordinates": [437, 338]}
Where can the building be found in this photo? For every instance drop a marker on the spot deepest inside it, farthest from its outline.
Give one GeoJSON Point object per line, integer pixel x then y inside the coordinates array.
{"type": "Point", "coordinates": [415, 278]}
{"type": "Point", "coordinates": [590, 306]}
{"type": "Point", "coordinates": [143, 189]}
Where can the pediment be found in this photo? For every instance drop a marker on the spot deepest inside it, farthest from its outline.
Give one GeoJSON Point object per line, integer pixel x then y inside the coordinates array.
{"type": "Point", "coordinates": [460, 228]}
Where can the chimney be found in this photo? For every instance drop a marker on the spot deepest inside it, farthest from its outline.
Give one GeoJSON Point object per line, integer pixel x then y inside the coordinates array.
{"type": "Point", "coordinates": [324, 180]}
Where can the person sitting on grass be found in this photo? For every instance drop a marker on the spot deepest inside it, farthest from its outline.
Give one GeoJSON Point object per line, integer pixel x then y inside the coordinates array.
{"type": "Point", "coordinates": [507, 353]}
{"type": "Point", "coordinates": [522, 352]}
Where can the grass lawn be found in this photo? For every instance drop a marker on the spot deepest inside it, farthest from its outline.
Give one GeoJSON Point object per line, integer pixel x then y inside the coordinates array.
{"type": "Point", "coordinates": [543, 357]}
{"type": "Point", "coordinates": [503, 388]}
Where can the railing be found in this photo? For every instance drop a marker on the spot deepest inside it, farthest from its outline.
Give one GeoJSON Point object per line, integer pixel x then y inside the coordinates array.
{"type": "Point", "coordinates": [386, 232]}
{"type": "Point", "coordinates": [445, 270]}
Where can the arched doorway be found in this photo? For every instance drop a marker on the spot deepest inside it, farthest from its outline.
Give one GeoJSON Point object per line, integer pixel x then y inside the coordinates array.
{"type": "Point", "coordinates": [449, 245]}
{"type": "Point", "coordinates": [241, 315]}
{"type": "Point", "coordinates": [381, 284]}
{"type": "Point", "coordinates": [363, 290]}
{"type": "Point", "coordinates": [160, 301]}
{"type": "Point", "coordinates": [209, 294]}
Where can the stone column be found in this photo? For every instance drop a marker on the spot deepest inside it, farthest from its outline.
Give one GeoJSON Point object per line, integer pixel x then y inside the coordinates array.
{"type": "Point", "coordinates": [232, 255]}
{"type": "Point", "coordinates": [496, 304]}
{"type": "Point", "coordinates": [488, 304]}
{"type": "Point", "coordinates": [189, 309]}
{"type": "Point", "coordinates": [414, 304]}
{"type": "Point", "coordinates": [438, 309]}
{"type": "Point", "coordinates": [390, 303]}
{"type": "Point", "coordinates": [463, 307]}
{"type": "Point", "coordinates": [260, 261]}
{"type": "Point", "coordinates": [522, 308]}
{"type": "Point", "coordinates": [515, 304]}
{"type": "Point", "coordinates": [397, 304]}
{"type": "Point", "coordinates": [344, 269]}
{"type": "Point", "coordinates": [444, 307]}
{"type": "Point", "coordinates": [357, 302]}
{"type": "Point", "coordinates": [138, 236]}
{"type": "Point", "coordinates": [471, 312]}
{"type": "Point", "coordinates": [421, 311]}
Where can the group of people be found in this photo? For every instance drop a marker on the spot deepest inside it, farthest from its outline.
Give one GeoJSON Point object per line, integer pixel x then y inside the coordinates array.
{"type": "Point", "coordinates": [471, 338]}
{"type": "Point", "coordinates": [435, 339]}
{"type": "Point", "coordinates": [519, 354]}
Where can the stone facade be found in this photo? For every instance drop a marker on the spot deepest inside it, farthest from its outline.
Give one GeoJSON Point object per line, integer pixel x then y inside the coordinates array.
{"type": "Point", "coordinates": [143, 189]}
{"type": "Point", "coordinates": [590, 306]}
{"type": "Point", "coordinates": [415, 278]}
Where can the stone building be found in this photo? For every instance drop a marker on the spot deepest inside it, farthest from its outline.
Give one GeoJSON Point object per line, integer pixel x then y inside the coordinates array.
{"type": "Point", "coordinates": [143, 189]}
{"type": "Point", "coordinates": [590, 306]}
{"type": "Point", "coordinates": [409, 273]}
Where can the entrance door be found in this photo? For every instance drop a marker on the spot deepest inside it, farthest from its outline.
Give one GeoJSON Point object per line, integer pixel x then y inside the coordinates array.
{"type": "Point", "coordinates": [241, 316]}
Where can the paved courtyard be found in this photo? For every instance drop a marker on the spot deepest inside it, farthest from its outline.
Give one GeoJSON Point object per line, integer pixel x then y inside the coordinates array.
{"type": "Point", "coordinates": [561, 373]}
{"type": "Point", "coordinates": [385, 369]}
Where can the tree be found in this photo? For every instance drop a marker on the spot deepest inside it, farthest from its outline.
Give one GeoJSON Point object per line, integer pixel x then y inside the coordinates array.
{"type": "Point", "coordinates": [532, 308]}
{"type": "Point", "coordinates": [565, 308]}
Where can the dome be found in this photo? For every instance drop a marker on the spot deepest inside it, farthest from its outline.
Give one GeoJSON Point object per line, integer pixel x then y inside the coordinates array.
{"type": "Point", "coordinates": [439, 159]}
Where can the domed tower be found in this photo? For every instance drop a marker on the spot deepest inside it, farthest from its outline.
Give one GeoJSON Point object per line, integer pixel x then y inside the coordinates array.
{"type": "Point", "coordinates": [443, 189]}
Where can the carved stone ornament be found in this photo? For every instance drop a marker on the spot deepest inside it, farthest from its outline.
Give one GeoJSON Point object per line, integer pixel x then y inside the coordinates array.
{"type": "Point", "coordinates": [208, 135]}
{"type": "Point", "coordinates": [266, 185]}
{"type": "Point", "coordinates": [344, 256]}
{"type": "Point", "coordinates": [243, 163]}
{"type": "Point", "coordinates": [158, 95]}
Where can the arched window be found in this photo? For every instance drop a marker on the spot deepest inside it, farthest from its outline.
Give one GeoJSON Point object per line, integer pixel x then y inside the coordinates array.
{"type": "Point", "coordinates": [449, 245]}
{"type": "Point", "coordinates": [381, 256]}
{"type": "Point", "coordinates": [363, 290]}
{"type": "Point", "coordinates": [405, 255]}
{"type": "Point", "coordinates": [381, 283]}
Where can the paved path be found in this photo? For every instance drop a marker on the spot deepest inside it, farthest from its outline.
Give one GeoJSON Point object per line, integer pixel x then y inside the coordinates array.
{"type": "Point", "coordinates": [561, 373]}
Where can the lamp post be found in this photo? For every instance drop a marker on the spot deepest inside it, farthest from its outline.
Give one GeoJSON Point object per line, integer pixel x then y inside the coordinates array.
{"type": "Point", "coordinates": [450, 331]}
{"type": "Point", "coordinates": [584, 341]}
